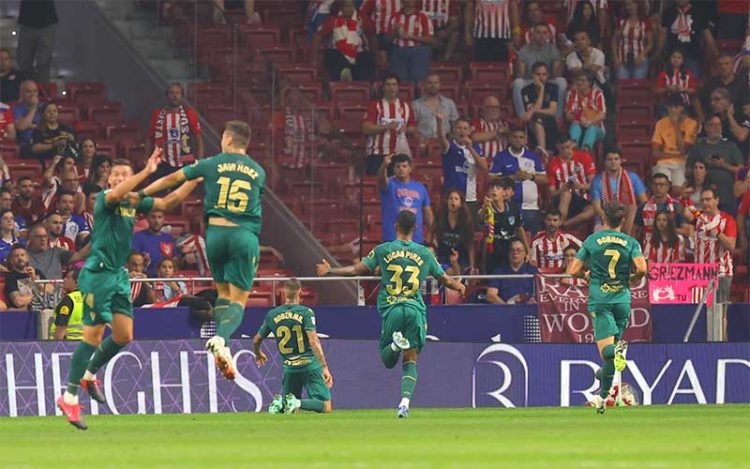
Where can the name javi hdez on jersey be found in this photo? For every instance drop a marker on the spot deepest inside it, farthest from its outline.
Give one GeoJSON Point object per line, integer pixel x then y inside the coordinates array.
{"type": "Point", "coordinates": [238, 168]}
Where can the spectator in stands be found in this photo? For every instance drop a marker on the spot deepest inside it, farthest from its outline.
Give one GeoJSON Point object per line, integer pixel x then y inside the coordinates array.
{"type": "Point", "coordinates": [51, 261]}
{"type": "Point", "coordinates": [74, 225]}
{"type": "Point", "coordinates": [221, 6]}
{"type": "Point", "coordinates": [429, 105]}
{"type": "Point", "coordinates": [715, 238]}
{"type": "Point", "coordinates": [99, 172]}
{"type": "Point", "coordinates": [27, 204]}
{"type": "Point", "coordinates": [743, 227]}
{"type": "Point", "coordinates": [684, 26]}
{"type": "Point", "coordinates": [586, 18]}
{"type": "Point", "coordinates": [142, 293]}
{"type": "Point", "coordinates": [353, 46]}
{"type": "Point", "coordinates": [665, 245]}
{"type": "Point", "coordinates": [90, 191]}
{"type": "Point", "coordinates": [51, 137]}
{"type": "Point", "coordinates": [733, 124]}
{"type": "Point", "coordinates": [527, 170]}
{"type": "Point", "coordinates": [723, 159]}
{"type": "Point", "coordinates": [10, 78]}
{"type": "Point", "coordinates": [568, 255]}
{"type": "Point", "coordinates": [490, 130]}
{"type": "Point", "coordinates": [453, 234]}
{"type": "Point", "coordinates": [489, 27]}
{"type": "Point", "coordinates": [660, 201]}
{"type": "Point", "coordinates": [386, 124]}
{"type": "Point", "coordinates": [462, 159]}
{"type": "Point", "coordinates": [540, 100]}
{"type": "Point", "coordinates": [633, 42]}
{"type": "Point", "coordinates": [67, 323]}
{"type": "Point", "coordinates": [380, 11]}
{"type": "Point", "coordinates": [7, 124]}
{"type": "Point", "coordinates": [513, 290]}
{"type": "Point", "coordinates": [587, 58]}
{"type": "Point", "coordinates": [20, 289]}
{"type": "Point", "coordinates": [446, 21]}
{"type": "Point", "coordinates": [37, 22]}
{"type": "Point", "coordinates": [503, 220]}
{"type": "Point", "coordinates": [168, 290]}
{"type": "Point", "coordinates": [673, 136]}
{"type": "Point", "coordinates": [585, 111]}
{"type": "Point", "coordinates": [304, 129]}
{"type": "Point", "coordinates": [676, 80]}
{"type": "Point", "coordinates": [534, 16]}
{"type": "Point", "coordinates": [616, 184]}
{"type": "Point", "coordinates": [726, 77]}
{"type": "Point", "coordinates": [570, 175]}
{"type": "Point", "coordinates": [153, 243]}
{"type": "Point", "coordinates": [694, 185]}
{"type": "Point", "coordinates": [548, 246]}
{"type": "Point", "coordinates": [8, 234]}
{"type": "Point", "coordinates": [53, 176]}
{"type": "Point", "coordinates": [539, 50]}
{"type": "Point", "coordinates": [86, 158]}
{"type": "Point", "coordinates": [398, 193]}
{"type": "Point", "coordinates": [26, 115]}
{"type": "Point", "coordinates": [412, 35]}
{"type": "Point", "coordinates": [54, 224]}
{"type": "Point", "coordinates": [175, 128]}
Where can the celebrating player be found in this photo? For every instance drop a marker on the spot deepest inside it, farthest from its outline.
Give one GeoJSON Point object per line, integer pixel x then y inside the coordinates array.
{"type": "Point", "coordinates": [104, 282]}
{"type": "Point", "coordinates": [610, 254]}
{"type": "Point", "coordinates": [404, 265]}
{"type": "Point", "coordinates": [234, 185]}
{"type": "Point", "coordinates": [304, 361]}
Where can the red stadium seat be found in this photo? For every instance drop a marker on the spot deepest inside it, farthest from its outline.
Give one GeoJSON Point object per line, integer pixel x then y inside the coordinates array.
{"type": "Point", "coordinates": [477, 91]}
{"type": "Point", "coordinates": [30, 168]}
{"type": "Point", "coordinates": [218, 114]}
{"type": "Point", "coordinates": [68, 114]}
{"type": "Point", "coordinates": [452, 91]}
{"type": "Point", "coordinates": [634, 132]}
{"type": "Point", "coordinates": [490, 72]}
{"type": "Point", "coordinates": [299, 73]}
{"type": "Point", "coordinates": [122, 132]}
{"type": "Point", "coordinates": [212, 38]}
{"type": "Point", "coordinates": [279, 54]}
{"type": "Point", "coordinates": [48, 91]}
{"type": "Point", "coordinates": [259, 37]}
{"type": "Point", "coordinates": [313, 92]}
{"type": "Point", "coordinates": [450, 74]}
{"type": "Point", "coordinates": [106, 148]}
{"type": "Point", "coordinates": [350, 93]}
{"type": "Point", "coordinates": [201, 94]}
{"type": "Point", "coordinates": [105, 114]}
{"type": "Point", "coordinates": [136, 153]}
{"type": "Point", "coordinates": [86, 93]}
{"type": "Point", "coordinates": [635, 112]}
{"type": "Point", "coordinates": [428, 172]}
{"type": "Point", "coordinates": [260, 298]}
{"type": "Point", "coordinates": [9, 151]}
{"type": "Point", "coordinates": [635, 91]}
{"type": "Point", "coordinates": [351, 117]}
{"type": "Point", "coordinates": [87, 129]}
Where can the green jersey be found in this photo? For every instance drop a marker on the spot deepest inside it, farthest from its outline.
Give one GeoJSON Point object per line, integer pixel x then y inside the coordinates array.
{"type": "Point", "coordinates": [289, 324]}
{"type": "Point", "coordinates": [609, 255]}
{"type": "Point", "coordinates": [234, 186]}
{"type": "Point", "coordinates": [403, 266]}
{"type": "Point", "coordinates": [113, 232]}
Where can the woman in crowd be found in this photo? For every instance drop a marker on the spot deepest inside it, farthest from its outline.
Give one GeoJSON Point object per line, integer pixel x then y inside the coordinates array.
{"type": "Point", "coordinates": [665, 245]}
{"type": "Point", "coordinates": [632, 43]}
{"type": "Point", "coordinates": [585, 110]}
{"type": "Point", "coordinates": [676, 79]}
{"type": "Point", "coordinates": [453, 234]}
{"type": "Point", "coordinates": [8, 235]}
{"type": "Point", "coordinates": [585, 19]}
{"type": "Point", "coordinates": [168, 290]}
{"type": "Point", "coordinates": [99, 172]}
{"type": "Point", "coordinates": [86, 158]}
{"type": "Point", "coordinates": [52, 137]}
{"type": "Point", "coordinates": [569, 253]}
{"type": "Point", "coordinates": [697, 180]}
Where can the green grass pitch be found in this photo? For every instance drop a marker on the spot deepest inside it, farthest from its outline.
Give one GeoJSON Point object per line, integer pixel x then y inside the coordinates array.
{"type": "Point", "coordinates": [661, 436]}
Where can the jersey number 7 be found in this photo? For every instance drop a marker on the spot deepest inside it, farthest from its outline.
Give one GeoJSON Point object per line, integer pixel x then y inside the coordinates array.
{"type": "Point", "coordinates": [232, 196]}
{"type": "Point", "coordinates": [615, 256]}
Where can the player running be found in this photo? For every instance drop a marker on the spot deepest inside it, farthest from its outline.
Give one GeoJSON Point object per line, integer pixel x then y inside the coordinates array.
{"type": "Point", "coordinates": [404, 265]}
{"type": "Point", "coordinates": [610, 255]}
{"type": "Point", "coordinates": [104, 282]}
{"type": "Point", "coordinates": [293, 326]}
{"type": "Point", "coordinates": [234, 185]}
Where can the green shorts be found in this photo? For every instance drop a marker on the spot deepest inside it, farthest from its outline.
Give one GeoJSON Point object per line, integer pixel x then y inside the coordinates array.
{"type": "Point", "coordinates": [408, 319]}
{"type": "Point", "coordinates": [610, 320]}
{"type": "Point", "coordinates": [104, 292]}
{"type": "Point", "coordinates": [233, 255]}
{"type": "Point", "coordinates": [310, 380]}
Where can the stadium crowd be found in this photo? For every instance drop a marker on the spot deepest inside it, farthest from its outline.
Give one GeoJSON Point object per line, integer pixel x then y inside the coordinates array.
{"type": "Point", "coordinates": [566, 106]}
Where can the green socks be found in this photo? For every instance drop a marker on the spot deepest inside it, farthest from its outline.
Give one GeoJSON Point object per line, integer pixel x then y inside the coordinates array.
{"type": "Point", "coordinates": [316, 405]}
{"type": "Point", "coordinates": [228, 318]}
{"type": "Point", "coordinates": [78, 362]}
{"type": "Point", "coordinates": [107, 349]}
{"type": "Point", "coordinates": [389, 357]}
{"type": "Point", "coordinates": [408, 379]}
{"type": "Point", "coordinates": [608, 370]}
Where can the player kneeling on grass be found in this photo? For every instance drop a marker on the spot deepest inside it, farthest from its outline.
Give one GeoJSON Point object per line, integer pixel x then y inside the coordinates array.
{"type": "Point", "coordinates": [305, 367]}
{"type": "Point", "coordinates": [610, 256]}
{"type": "Point", "coordinates": [404, 265]}
{"type": "Point", "coordinates": [104, 282]}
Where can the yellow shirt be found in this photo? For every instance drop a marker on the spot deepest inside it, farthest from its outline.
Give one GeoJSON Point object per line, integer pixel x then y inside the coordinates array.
{"type": "Point", "coordinates": [666, 138]}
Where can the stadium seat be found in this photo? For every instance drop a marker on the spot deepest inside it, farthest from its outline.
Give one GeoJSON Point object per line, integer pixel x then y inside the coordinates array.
{"type": "Point", "coordinates": [279, 54]}
{"type": "Point", "coordinates": [30, 168]}
{"type": "Point", "coordinates": [350, 93]}
{"type": "Point", "coordinates": [351, 117]}
{"type": "Point", "coordinates": [259, 37]}
{"type": "Point", "coordinates": [87, 129]}
{"type": "Point", "coordinates": [428, 172]}
{"type": "Point", "coordinates": [106, 148]}
{"type": "Point", "coordinates": [635, 91]}
{"type": "Point", "coordinates": [299, 73]}
{"type": "Point", "coordinates": [451, 90]}
{"type": "Point", "coordinates": [68, 114]}
{"type": "Point", "coordinates": [260, 298]}
{"type": "Point", "coordinates": [313, 92]}
{"type": "Point", "coordinates": [136, 153]}
{"type": "Point", "coordinates": [450, 74]}
{"type": "Point", "coordinates": [490, 72]}
{"type": "Point", "coordinates": [48, 91]}
{"type": "Point", "coordinates": [635, 112]}
{"type": "Point", "coordinates": [86, 93]}
{"type": "Point", "coordinates": [122, 132]}
{"type": "Point", "coordinates": [635, 132]}
{"type": "Point", "coordinates": [218, 114]}
{"type": "Point", "coordinates": [106, 113]}
{"type": "Point", "coordinates": [201, 94]}
{"type": "Point", "coordinates": [476, 91]}
{"type": "Point", "coordinates": [212, 38]}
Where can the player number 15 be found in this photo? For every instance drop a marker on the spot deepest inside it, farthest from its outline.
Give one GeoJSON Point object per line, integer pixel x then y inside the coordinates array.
{"type": "Point", "coordinates": [232, 196]}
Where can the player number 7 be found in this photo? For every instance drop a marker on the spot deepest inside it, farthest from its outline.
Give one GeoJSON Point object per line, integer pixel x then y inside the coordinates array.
{"type": "Point", "coordinates": [615, 256]}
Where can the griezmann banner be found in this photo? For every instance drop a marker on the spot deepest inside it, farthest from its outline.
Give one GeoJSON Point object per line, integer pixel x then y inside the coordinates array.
{"type": "Point", "coordinates": [564, 317]}
{"type": "Point", "coordinates": [680, 283]}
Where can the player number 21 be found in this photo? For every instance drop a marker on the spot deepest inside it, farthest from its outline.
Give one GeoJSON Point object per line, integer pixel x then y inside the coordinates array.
{"type": "Point", "coordinates": [615, 256]}
{"type": "Point", "coordinates": [398, 288]}
{"type": "Point", "coordinates": [285, 335]}
{"type": "Point", "coordinates": [232, 196]}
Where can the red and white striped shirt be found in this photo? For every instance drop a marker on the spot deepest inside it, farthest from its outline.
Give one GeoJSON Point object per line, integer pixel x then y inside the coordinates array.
{"type": "Point", "coordinates": [440, 11]}
{"type": "Point", "coordinates": [380, 11]}
{"type": "Point", "coordinates": [633, 37]}
{"type": "Point", "coordinates": [492, 19]}
{"type": "Point", "coordinates": [663, 254]}
{"type": "Point", "coordinates": [577, 169]}
{"type": "Point", "coordinates": [494, 146]}
{"type": "Point", "coordinates": [684, 79]}
{"type": "Point", "coordinates": [179, 126]}
{"type": "Point", "coordinates": [416, 24]}
{"type": "Point", "coordinates": [570, 7]}
{"type": "Point", "coordinates": [649, 210]}
{"type": "Point", "coordinates": [708, 249]}
{"type": "Point", "coordinates": [63, 243]}
{"type": "Point", "coordinates": [383, 112]}
{"type": "Point", "coordinates": [577, 103]}
{"type": "Point", "coordinates": [550, 253]}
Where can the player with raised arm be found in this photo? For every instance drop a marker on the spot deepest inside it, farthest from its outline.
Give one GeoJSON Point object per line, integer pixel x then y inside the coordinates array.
{"type": "Point", "coordinates": [104, 282]}
{"type": "Point", "coordinates": [404, 265]}
{"type": "Point", "coordinates": [234, 185]}
{"type": "Point", "coordinates": [610, 256]}
{"type": "Point", "coordinates": [305, 367]}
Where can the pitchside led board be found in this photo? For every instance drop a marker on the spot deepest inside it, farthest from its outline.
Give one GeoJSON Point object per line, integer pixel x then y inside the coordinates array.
{"type": "Point", "coordinates": [680, 283]}
{"type": "Point", "coordinates": [178, 376]}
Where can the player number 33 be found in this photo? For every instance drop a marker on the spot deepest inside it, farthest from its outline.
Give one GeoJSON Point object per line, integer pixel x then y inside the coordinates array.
{"type": "Point", "coordinates": [398, 288]}
{"type": "Point", "coordinates": [233, 195]}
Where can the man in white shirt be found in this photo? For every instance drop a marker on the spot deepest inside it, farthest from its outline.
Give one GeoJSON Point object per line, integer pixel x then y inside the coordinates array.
{"type": "Point", "coordinates": [586, 57]}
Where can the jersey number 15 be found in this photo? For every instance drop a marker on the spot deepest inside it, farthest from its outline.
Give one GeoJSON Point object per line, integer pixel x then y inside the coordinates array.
{"type": "Point", "coordinates": [233, 196]}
